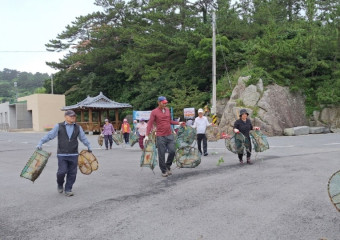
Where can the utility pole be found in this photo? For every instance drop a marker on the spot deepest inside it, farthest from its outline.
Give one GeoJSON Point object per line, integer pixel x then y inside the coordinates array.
{"type": "Point", "coordinates": [16, 91]}
{"type": "Point", "coordinates": [52, 83]}
{"type": "Point", "coordinates": [213, 109]}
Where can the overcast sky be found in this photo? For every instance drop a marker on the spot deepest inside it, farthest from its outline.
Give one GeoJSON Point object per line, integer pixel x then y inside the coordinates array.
{"type": "Point", "coordinates": [27, 25]}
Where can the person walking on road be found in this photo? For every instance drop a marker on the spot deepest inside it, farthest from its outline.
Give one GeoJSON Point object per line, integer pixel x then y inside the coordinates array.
{"type": "Point", "coordinates": [68, 133]}
{"type": "Point", "coordinates": [201, 123]}
{"type": "Point", "coordinates": [126, 130]}
{"type": "Point", "coordinates": [165, 139]}
{"type": "Point", "coordinates": [243, 125]}
{"type": "Point", "coordinates": [108, 130]}
{"type": "Point", "coordinates": [141, 128]}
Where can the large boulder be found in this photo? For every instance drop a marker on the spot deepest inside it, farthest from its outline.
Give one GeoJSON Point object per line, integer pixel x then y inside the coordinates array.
{"type": "Point", "coordinates": [250, 96]}
{"type": "Point", "coordinates": [302, 130]}
{"type": "Point", "coordinates": [273, 108]}
{"type": "Point", "coordinates": [330, 116]}
{"type": "Point", "coordinates": [316, 130]}
{"type": "Point", "coordinates": [288, 132]}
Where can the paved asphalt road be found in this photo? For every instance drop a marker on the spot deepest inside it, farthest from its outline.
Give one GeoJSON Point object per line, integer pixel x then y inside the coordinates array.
{"type": "Point", "coordinates": [282, 196]}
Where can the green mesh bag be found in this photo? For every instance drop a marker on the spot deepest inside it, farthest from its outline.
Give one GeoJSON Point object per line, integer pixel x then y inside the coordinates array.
{"type": "Point", "coordinates": [334, 189]}
{"type": "Point", "coordinates": [259, 140]}
{"type": "Point", "coordinates": [117, 138]}
{"type": "Point", "coordinates": [133, 138]}
{"type": "Point", "coordinates": [237, 143]}
{"type": "Point", "coordinates": [185, 136]}
{"type": "Point", "coordinates": [213, 133]}
{"type": "Point", "coordinates": [187, 157]}
{"type": "Point", "coordinates": [35, 165]}
{"type": "Point", "coordinates": [149, 155]}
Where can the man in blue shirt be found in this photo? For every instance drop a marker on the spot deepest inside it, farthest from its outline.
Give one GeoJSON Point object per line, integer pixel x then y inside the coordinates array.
{"type": "Point", "coordinates": [68, 133]}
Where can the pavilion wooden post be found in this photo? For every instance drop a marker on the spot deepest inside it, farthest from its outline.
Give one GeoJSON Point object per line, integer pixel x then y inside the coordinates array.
{"type": "Point", "coordinates": [82, 116]}
{"type": "Point", "coordinates": [100, 117]}
{"type": "Point", "coordinates": [117, 119]}
{"type": "Point", "coordinates": [90, 120]}
{"type": "Point", "coordinates": [108, 114]}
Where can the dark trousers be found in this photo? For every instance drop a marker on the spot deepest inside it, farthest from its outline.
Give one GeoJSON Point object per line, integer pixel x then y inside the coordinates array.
{"type": "Point", "coordinates": [165, 143]}
{"type": "Point", "coordinates": [126, 137]}
{"type": "Point", "coordinates": [107, 139]}
{"type": "Point", "coordinates": [201, 137]}
{"type": "Point", "coordinates": [248, 149]}
{"type": "Point", "coordinates": [141, 144]}
{"type": "Point", "coordinates": [67, 165]}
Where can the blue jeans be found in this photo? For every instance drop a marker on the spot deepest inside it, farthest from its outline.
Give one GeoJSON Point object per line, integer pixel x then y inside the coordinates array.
{"type": "Point", "coordinates": [67, 165]}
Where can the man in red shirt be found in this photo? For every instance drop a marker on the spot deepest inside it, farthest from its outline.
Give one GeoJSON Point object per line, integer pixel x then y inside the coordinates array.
{"type": "Point", "coordinates": [165, 139]}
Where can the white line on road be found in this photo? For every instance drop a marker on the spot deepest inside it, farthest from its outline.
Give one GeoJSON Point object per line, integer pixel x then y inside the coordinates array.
{"type": "Point", "coordinates": [331, 144]}
{"type": "Point", "coordinates": [289, 146]}
{"type": "Point", "coordinates": [25, 142]}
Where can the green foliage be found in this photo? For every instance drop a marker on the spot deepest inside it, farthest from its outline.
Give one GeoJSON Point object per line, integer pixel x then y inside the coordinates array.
{"type": "Point", "coordinates": [187, 97]}
{"type": "Point", "coordinates": [134, 51]}
{"type": "Point", "coordinates": [255, 112]}
{"type": "Point", "coordinates": [40, 90]}
{"type": "Point", "coordinates": [239, 103]}
{"type": "Point", "coordinates": [27, 83]}
{"type": "Point", "coordinates": [220, 160]}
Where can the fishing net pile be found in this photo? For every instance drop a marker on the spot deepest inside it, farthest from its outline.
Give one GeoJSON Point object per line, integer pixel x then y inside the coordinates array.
{"type": "Point", "coordinates": [259, 140]}
{"type": "Point", "coordinates": [186, 156]}
{"type": "Point", "coordinates": [213, 133]}
{"type": "Point", "coordinates": [237, 143]}
{"type": "Point", "coordinates": [185, 136]}
{"type": "Point", "coordinates": [334, 189]}
{"type": "Point", "coordinates": [117, 138]}
{"type": "Point", "coordinates": [87, 162]}
{"type": "Point", "coordinates": [35, 165]}
{"type": "Point", "coordinates": [133, 138]}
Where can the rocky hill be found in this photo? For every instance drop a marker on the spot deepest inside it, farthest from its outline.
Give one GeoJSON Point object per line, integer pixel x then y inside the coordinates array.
{"type": "Point", "coordinates": [273, 108]}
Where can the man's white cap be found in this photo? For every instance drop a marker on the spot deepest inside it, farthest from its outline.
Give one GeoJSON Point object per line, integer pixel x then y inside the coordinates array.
{"type": "Point", "coordinates": [200, 110]}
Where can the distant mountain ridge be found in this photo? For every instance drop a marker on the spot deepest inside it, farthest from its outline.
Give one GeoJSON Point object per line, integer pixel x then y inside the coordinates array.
{"type": "Point", "coordinates": [27, 83]}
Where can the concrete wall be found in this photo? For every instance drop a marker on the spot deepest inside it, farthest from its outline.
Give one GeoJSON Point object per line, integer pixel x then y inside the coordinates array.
{"type": "Point", "coordinates": [12, 117]}
{"type": "Point", "coordinates": [4, 111]}
{"type": "Point", "coordinates": [45, 108]}
{"type": "Point", "coordinates": [4, 116]}
{"type": "Point", "coordinates": [23, 117]}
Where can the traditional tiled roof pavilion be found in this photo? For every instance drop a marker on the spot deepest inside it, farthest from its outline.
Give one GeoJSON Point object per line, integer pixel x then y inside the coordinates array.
{"type": "Point", "coordinates": [99, 104]}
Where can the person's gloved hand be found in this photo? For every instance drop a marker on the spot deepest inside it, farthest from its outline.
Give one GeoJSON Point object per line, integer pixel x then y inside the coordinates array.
{"type": "Point", "coordinates": [145, 140]}
{"type": "Point", "coordinates": [89, 150]}
{"type": "Point", "coordinates": [236, 130]}
{"type": "Point", "coordinates": [257, 128]}
{"type": "Point", "coordinates": [38, 147]}
{"type": "Point", "coordinates": [183, 124]}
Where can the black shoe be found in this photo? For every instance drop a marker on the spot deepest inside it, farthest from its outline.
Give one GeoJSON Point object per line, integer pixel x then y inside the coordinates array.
{"type": "Point", "coordinates": [206, 154]}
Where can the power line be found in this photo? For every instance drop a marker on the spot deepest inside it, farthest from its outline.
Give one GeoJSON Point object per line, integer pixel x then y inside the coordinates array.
{"type": "Point", "coordinates": [19, 51]}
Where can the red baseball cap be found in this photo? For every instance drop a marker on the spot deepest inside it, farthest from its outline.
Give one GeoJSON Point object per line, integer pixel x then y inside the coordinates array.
{"type": "Point", "coordinates": [162, 99]}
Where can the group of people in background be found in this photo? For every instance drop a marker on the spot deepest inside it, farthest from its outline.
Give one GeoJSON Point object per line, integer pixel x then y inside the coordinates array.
{"type": "Point", "coordinates": [68, 133]}
{"type": "Point", "coordinates": [242, 125]}
{"type": "Point", "coordinates": [138, 128]}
